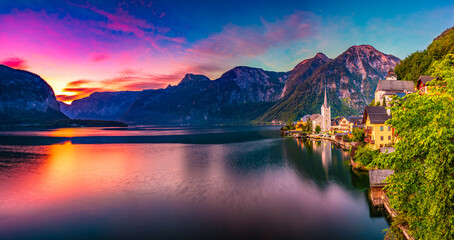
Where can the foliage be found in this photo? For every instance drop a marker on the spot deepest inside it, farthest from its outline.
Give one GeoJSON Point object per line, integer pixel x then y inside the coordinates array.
{"type": "Point", "coordinates": [345, 138]}
{"type": "Point", "coordinates": [422, 187]}
{"type": "Point", "coordinates": [418, 63]}
{"type": "Point", "coordinates": [365, 154]}
{"type": "Point", "coordinates": [309, 125]}
{"type": "Point", "coordinates": [318, 129]}
{"type": "Point", "coordinates": [372, 103]}
{"type": "Point", "coordinates": [358, 135]}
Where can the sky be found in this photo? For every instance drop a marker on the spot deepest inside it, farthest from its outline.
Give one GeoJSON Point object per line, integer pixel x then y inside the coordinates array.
{"type": "Point", "coordinates": [80, 47]}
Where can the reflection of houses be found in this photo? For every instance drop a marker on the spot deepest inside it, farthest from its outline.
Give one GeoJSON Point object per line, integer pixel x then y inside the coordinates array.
{"type": "Point", "coordinates": [422, 83]}
{"type": "Point", "coordinates": [390, 87]}
{"type": "Point", "coordinates": [377, 183]}
{"type": "Point", "coordinates": [377, 133]}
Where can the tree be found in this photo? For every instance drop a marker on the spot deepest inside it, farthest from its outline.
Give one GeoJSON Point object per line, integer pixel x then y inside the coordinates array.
{"type": "Point", "coordinates": [309, 125]}
{"type": "Point", "coordinates": [422, 187]}
{"type": "Point", "coordinates": [358, 135]}
{"type": "Point", "coordinates": [318, 129]}
{"type": "Point", "coordinates": [364, 155]}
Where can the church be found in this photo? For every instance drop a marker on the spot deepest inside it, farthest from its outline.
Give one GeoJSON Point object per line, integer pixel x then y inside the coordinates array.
{"type": "Point", "coordinates": [326, 116]}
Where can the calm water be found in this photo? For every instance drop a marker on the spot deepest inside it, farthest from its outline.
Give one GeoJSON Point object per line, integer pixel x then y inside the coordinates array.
{"type": "Point", "coordinates": [177, 183]}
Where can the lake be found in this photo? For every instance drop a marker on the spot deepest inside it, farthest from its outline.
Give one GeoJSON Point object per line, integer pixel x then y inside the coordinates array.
{"type": "Point", "coordinates": [176, 182]}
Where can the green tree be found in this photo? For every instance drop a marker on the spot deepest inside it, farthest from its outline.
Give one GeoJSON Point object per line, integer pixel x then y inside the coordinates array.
{"type": "Point", "coordinates": [422, 187]}
{"type": "Point", "coordinates": [318, 129]}
{"type": "Point", "coordinates": [364, 155]}
{"type": "Point", "coordinates": [309, 125]}
{"type": "Point", "coordinates": [358, 135]}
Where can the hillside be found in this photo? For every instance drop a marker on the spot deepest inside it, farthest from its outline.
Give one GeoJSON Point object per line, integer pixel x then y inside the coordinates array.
{"type": "Point", "coordinates": [419, 62]}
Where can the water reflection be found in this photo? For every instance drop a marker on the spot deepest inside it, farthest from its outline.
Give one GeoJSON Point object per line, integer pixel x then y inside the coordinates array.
{"type": "Point", "coordinates": [263, 188]}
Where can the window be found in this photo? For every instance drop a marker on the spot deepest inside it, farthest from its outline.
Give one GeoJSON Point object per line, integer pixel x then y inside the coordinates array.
{"type": "Point", "coordinates": [381, 128]}
{"type": "Point", "coordinates": [389, 128]}
{"type": "Point", "coordinates": [389, 137]}
{"type": "Point", "coordinates": [381, 138]}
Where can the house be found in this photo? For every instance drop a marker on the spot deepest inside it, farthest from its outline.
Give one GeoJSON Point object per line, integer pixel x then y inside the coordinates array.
{"type": "Point", "coordinates": [422, 83]}
{"type": "Point", "coordinates": [302, 123]}
{"type": "Point", "coordinates": [343, 125]}
{"type": "Point", "coordinates": [376, 132]}
{"type": "Point", "coordinates": [390, 87]}
{"type": "Point", "coordinates": [335, 124]}
{"type": "Point", "coordinates": [377, 181]}
{"type": "Point", "coordinates": [355, 122]}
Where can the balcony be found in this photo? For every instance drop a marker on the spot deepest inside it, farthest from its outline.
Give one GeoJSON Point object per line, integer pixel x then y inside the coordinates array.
{"type": "Point", "coordinates": [368, 140]}
{"type": "Point", "coordinates": [368, 130]}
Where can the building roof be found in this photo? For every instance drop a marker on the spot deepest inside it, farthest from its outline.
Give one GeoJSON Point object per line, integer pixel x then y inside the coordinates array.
{"type": "Point", "coordinates": [377, 177]}
{"type": "Point", "coordinates": [336, 121]}
{"type": "Point", "coordinates": [315, 116]}
{"type": "Point", "coordinates": [398, 85]}
{"type": "Point", "coordinates": [425, 79]}
{"type": "Point", "coordinates": [355, 120]}
{"type": "Point", "coordinates": [305, 118]}
{"type": "Point", "coordinates": [377, 114]}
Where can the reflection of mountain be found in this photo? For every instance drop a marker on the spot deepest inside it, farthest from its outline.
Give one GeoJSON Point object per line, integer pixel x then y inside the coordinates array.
{"type": "Point", "coordinates": [319, 161]}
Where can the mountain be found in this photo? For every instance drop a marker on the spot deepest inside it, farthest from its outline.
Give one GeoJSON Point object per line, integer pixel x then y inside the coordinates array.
{"type": "Point", "coordinates": [244, 94]}
{"type": "Point", "coordinates": [25, 98]}
{"type": "Point", "coordinates": [304, 70]}
{"type": "Point", "coordinates": [350, 79]}
{"type": "Point", "coordinates": [419, 62]}
{"type": "Point", "coordinates": [101, 105]}
{"type": "Point", "coordinates": [238, 96]}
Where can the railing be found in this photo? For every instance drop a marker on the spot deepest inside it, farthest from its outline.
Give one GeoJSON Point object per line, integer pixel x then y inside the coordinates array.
{"type": "Point", "coordinates": [368, 130]}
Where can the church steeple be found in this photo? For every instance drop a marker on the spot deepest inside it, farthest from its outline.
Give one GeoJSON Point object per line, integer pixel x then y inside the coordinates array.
{"type": "Point", "coordinates": [326, 100]}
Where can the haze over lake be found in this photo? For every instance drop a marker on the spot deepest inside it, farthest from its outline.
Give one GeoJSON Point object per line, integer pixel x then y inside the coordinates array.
{"type": "Point", "coordinates": [172, 182]}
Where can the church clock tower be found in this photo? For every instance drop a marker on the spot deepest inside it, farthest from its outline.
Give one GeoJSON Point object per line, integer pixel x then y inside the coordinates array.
{"type": "Point", "coordinates": [326, 115]}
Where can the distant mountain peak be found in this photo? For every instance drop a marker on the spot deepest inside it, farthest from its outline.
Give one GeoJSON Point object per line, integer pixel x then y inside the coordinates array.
{"type": "Point", "coordinates": [193, 78]}
{"type": "Point", "coordinates": [322, 56]}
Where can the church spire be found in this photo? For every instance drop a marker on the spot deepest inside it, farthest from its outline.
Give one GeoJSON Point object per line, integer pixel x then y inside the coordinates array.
{"type": "Point", "coordinates": [326, 100]}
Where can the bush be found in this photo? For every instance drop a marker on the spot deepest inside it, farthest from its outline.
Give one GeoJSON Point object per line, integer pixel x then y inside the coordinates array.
{"type": "Point", "coordinates": [365, 154]}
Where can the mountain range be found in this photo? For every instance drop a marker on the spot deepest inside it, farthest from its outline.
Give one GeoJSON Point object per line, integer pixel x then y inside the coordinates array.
{"type": "Point", "coordinates": [240, 96]}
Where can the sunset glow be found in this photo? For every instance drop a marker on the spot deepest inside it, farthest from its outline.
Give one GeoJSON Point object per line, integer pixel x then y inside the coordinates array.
{"type": "Point", "coordinates": [80, 47]}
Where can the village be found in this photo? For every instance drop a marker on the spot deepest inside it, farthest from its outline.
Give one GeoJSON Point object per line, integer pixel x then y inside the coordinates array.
{"type": "Point", "coordinates": [369, 130]}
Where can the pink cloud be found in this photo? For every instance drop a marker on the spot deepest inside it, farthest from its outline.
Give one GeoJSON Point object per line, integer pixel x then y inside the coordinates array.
{"type": "Point", "coordinates": [236, 43]}
{"type": "Point", "coordinates": [98, 57]}
{"type": "Point", "coordinates": [122, 21]}
{"type": "Point", "coordinates": [252, 41]}
{"type": "Point", "coordinates": [128, 80]}
{"type": "Point", "coordinates": [15, 62]}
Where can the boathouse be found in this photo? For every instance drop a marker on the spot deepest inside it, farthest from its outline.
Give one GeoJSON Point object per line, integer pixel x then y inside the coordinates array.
{"type": "Point", "coordinates": [377, 183]}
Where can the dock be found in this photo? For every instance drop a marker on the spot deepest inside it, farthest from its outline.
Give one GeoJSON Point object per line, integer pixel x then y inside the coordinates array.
{"type": "Point", "coordinates": [379, 197]}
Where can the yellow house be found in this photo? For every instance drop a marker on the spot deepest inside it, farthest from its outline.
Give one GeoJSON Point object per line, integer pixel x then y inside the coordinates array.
{"type": "Point", "coordinates": [377, 133]}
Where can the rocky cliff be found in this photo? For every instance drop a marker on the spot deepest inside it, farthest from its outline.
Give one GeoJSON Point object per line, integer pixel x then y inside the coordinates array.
{"type": "Point", "coordinates": [25, 98]}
